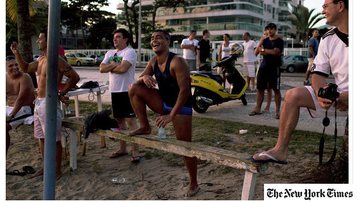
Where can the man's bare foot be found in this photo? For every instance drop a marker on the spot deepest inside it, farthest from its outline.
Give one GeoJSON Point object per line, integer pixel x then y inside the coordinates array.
{"type": "Point", "coordinates": [140, 131]}
{"type": "Point", "coordinates": [193, 190]}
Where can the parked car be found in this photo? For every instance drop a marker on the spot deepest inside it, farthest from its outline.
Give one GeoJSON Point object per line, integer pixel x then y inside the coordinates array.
{"type": "Point", "coordinates": [294, 63]}
{"type": "Point", "coordinates": [98, 58]}
{"type": "Point", "coordinates": [79, 59]}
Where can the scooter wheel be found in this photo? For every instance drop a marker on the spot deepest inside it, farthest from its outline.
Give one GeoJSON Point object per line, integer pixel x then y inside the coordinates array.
{"type": "Point", "coordinates": [200, 106]}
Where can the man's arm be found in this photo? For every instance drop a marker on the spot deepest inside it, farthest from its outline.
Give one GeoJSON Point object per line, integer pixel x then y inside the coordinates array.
{"type": "Point", "coordinates": [317, 82]}
{"type": "Point", "coordinates": [26, 92]}
{"type": "Point", "coordinates": [123, 67]}
{"type": "Point", "coordinates": [146, 76]}
{"type": "Point", "coordinates": [105, 68]}
{"type": "Point", "coordinates": [66, 70]}
{"type": "Point", "coordinates": [182, 75]}
{"type": "Point", "coordinates": [24, 66]}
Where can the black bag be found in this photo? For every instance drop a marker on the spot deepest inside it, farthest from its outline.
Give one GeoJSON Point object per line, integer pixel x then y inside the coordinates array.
{"type": "Point", "coordinates": [99, 120]}
{"type": "Point", "coordinates": [90, 84]}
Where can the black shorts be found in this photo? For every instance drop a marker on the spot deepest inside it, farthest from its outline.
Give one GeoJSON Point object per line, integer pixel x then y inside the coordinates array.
{"type": "Point", "coordinates": [268, 76]}
{"type": "Point", "coordinates": [121, 105]}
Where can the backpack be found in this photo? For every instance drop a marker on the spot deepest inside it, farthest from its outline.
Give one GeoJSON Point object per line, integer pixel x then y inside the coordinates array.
{"type": "Point", "coordinates": [90, 84]}
{"type": "Point", "coordinates": [99, 120]}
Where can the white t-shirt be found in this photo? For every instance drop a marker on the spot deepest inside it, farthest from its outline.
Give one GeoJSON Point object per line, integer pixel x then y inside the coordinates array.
{"type": "Point", "coordinates": [189, 54]}
{"type": "Point", "coordinates": [249, 51]}
{"type": "Point", "coordinates": [120, 82]}
{"type": "Point", "coordinates": [333, 56]}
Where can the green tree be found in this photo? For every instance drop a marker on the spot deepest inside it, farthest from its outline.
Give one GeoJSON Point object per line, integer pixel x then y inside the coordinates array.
{"type": "Point", "coordinates": [304, 20]}
{"type": "Point", "coordinates": [102, 30]}
{"type": "Point", "coordinates": [131, 17]}
{"type": "Point", "coordinates": [19, 10]}
{"type": "Point", "coordinates": [82, 14]}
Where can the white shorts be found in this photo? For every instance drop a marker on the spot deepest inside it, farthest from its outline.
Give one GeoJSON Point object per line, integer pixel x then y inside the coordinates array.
{"type": "Point", "coordinates": [249, 69]}
{"type": "Point", "coordinates": [40, 117]}
{"type": "Point", "coordinates": [23, 111]}
{"type": "Point", "coordinates": [310, 62]}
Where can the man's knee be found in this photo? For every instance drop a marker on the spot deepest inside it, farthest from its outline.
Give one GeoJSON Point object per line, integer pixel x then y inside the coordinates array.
{"type": "Point", "coordinates": [294, 96]}
{"type": "Point", "coordinates": [133, 89]}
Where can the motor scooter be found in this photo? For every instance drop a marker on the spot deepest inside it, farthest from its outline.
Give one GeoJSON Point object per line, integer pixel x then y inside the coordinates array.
{"type": "Point", "coordinates": [209, 88]}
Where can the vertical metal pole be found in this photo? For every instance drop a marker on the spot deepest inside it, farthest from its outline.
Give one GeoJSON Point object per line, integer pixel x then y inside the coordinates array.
{"type": "Point", "coordinates": [51, 100]}
{"type": "Point", "coordinates": [139, 33]}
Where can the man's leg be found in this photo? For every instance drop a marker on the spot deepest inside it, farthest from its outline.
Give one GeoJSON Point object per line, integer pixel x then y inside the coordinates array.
{"type": "Point", "coordinates": [8, 128]}
{"type": "Point", "coordinates": [294, 99]}
{"type": "Point", "coordinates": [122, 148]}
{"type": "Point", "coordinates": [183, 130]}
{"type": "Point", "coordinates": [268, 99]}
{"type": "Point", "coordinates": [140, 96]}
{"type": "Point", "coordinates": [259, 100]}
{"type": "Point", "coordinates": [58, 159]}
{"type": "Point", "coordinates": [131, 123]}
{"type": "Point", "coordinates": [277, 102]}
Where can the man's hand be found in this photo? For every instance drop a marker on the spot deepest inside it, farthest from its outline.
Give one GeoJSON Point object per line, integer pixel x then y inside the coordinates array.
{"type": "Point", "coordinates": [324, 103]}
{"type": "Point", "coordinates": [343, 102]}
{"type": "Point", "coordinates": [14, 48]}
{"type": "Point", "coordinates": [64, 99]}
{"type": "Point", "coordinates": [149, 81]}
{"type": "Point", "coordinates": [161, 121]}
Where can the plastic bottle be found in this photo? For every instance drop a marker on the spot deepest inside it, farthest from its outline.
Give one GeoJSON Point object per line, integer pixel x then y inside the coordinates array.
{"type": "Point", "coordinates": [118, 180]}
{"type": "Point", "coordinates": [161, 133]}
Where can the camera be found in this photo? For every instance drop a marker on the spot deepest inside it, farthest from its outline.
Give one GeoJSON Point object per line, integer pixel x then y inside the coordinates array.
{"type": "Point", "coordinates": [329, 93]}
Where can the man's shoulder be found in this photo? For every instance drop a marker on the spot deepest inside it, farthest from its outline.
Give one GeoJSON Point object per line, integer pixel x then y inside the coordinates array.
{"type": "Point", "coordinates": [329, 33]}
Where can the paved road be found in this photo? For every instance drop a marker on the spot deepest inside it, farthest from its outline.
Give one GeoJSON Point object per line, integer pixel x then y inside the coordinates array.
{"type": "Point", "coordinates": [234, 110]}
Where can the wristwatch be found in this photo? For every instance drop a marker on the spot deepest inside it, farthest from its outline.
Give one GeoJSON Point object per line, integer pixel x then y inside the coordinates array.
{"type": "Point", "coordinates": [262, 50]}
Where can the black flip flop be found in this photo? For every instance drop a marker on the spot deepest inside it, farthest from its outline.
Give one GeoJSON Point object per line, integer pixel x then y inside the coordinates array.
{"type": "Point", "coordinates": [28, 170]}
{"type": "Point", "coordinates": [16, 172]}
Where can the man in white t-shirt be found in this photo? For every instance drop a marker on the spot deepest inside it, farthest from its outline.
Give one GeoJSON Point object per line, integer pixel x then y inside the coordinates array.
{"type": "Point", "coordinates": [120, 64]}
{"type": "Point", "coordinates": [328, 59]}
{"type": "Point", "coordinates": [249, 59]}
{"type": "Point", "coordinates": [189, 50]}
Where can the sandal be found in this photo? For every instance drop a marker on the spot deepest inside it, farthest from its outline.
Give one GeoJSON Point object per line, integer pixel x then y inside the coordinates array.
{"type": "Point", "coordinates": [253, 113]}
{"type": "Point", "coordinates": [135, 159]}
{"type": "Point", "coordinates": [28, 170]}
{"type": "Point", "coordinates": [16, 172]}
{"type": "Point", "coordinates": [277, 116]}
{"type": "Point", "coordinates": [117, 154]}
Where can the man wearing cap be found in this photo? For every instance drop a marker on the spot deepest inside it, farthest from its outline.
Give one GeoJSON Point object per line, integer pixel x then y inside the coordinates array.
{"type": "Point", "coordinates": [189, 50]}
{"type": "Point", "coordinates": [271, 49]}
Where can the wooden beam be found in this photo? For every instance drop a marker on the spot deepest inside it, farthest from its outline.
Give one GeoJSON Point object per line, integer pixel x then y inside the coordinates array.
{"type": "Point", "coordinates": [190, 149]}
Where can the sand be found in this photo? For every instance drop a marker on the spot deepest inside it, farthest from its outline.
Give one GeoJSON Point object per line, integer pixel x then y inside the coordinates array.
{"type": "Point", "coordinates": [158, 176]}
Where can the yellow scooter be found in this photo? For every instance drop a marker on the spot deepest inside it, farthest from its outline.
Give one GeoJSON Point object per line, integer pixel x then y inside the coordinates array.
{"type": "Point", "coordinates": [208, 88]}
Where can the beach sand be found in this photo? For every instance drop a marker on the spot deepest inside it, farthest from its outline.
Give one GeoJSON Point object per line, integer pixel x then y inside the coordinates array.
{"type": "Point", "coordinates": [159, 175]}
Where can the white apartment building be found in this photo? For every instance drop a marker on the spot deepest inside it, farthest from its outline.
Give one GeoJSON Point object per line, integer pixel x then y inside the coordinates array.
{"type": "Point", "coordinates": [226, 16]}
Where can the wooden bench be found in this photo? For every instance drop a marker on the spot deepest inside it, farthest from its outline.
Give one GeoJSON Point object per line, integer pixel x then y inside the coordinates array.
{"type": "Point", "coordinates": [202, 152]}
{"type": "Point", "coordinates": [190, 149]}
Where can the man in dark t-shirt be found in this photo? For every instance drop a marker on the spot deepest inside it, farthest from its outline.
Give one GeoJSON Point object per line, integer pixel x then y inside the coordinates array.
{"type": "Point", "coordinates": [271, 49]}
{"type": "Point", "coordinates": [203, 51]}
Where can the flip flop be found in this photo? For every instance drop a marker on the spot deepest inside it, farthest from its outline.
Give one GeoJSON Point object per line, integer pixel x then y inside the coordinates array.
{"type": "Point", "coordinates": [16, 172]}
{"type": "Point", "coordinates": [117, 154]}
{"type": "Point", "coordinates": [135, 159]}
{"type": "Point", "coordinates": [28, 170]}
{"type": "Point", "coordinates": [277, 116]}
{"type": "Point", "coordinates": [253, 113]}
{"type": "Point", "coordinates": [269, 159]}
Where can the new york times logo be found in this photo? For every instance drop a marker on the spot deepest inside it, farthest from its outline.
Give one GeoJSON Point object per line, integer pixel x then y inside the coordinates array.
{"type": "Point", "coordinates": [307, 194]}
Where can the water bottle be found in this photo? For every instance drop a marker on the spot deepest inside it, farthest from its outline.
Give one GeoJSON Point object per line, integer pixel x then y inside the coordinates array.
{"type": "Point", "coordinates": [161, 133]}
{"type": "Point", "coordinates": [118, 180]}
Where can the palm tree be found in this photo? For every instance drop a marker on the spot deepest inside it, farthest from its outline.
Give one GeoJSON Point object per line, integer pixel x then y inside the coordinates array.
{"type": "Point", "coordinates": [304, 20]}
{"type": "Point", "coordinates": [19, 10]}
